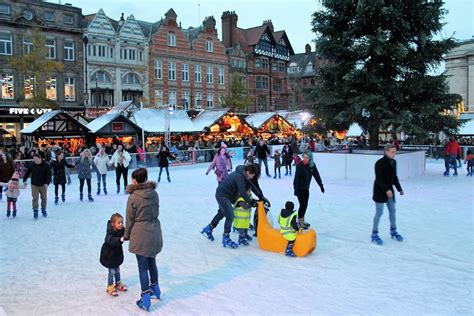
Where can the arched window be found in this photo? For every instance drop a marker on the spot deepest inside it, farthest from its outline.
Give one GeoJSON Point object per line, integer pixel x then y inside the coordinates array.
{"type": "Point", "coordinates": [131, 78]}
{"type": "Point", "coordinates": [101, 76]}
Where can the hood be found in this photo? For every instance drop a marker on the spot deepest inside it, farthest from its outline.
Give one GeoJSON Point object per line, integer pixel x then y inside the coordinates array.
{"type": "Point", "coordinates": [142, 189]}
{"type": "Point", "coordinates": [240, 169]}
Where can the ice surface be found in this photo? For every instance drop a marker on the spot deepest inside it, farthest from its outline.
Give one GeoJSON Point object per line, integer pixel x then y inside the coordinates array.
{"type": "Point", "coordinates": [51, 267]}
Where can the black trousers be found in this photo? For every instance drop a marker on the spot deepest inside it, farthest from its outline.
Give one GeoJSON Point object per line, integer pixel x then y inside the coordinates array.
{"type": "Point", "coordinates": [119, 172]}
{"type": "Point", "coordinates": [303, 197]}
{"type": "Point", "coordinates": [56, 189]}
{"type": "Point", "coordinates": [81, 185]}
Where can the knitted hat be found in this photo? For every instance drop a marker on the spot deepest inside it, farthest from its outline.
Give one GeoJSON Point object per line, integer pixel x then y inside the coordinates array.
{"type": "Point", "coordinates": [289, 206]}
{"type": "Point", "coordinates": [15, 176]}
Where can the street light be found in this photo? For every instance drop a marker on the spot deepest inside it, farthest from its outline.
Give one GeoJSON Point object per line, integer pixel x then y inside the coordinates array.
{"type": "Point", "coordinates": [168, 112]}
{"type": "Point", "coordinates": [85, 39]}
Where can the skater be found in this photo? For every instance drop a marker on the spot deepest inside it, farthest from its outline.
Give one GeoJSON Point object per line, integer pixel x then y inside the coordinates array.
{"type": "Point", "coordinates": [385, 179]}
{"type": "Point", "coordinates": [7, 168]}
{"type": "Point", "coordinates": [287, 156]}
{"type": "Point", "coordinates": [229, 190]}
{"type": "Point", "coordinates": [40, 172]}
{"type": "Point", "coordinates": [221, 165]}
{"type": "Point", "coordinates": [121, 160]}
{"type": "Point", "coordinates": [143, 229]}
{"type": "Point", "coordinates": [59, 176]}
{"type": "Point", "coordinates": [101, 161]}
{"type": "Point", "coordinates": [452, 150]}
{"type": "Point", "coordinates": [111, 254]}
{"type": "Point", "coordinates": [85, 165]}
{"type": "Point", "coordinates": [262, 152]}
{"type": "Point", "coordinates": [13, 192]}
{"type": "Point", "coordinates": [469, 161]}
{"type": "Point", "coordinates": [277, 157]}
{"type": "Point", "coordinates": [250, 158]}
{"type": "Point", "coordinates": [305, 170]}
{"type": "Point", "coordinates": [242, 219]}
{"type": "Point", "coordinates": [163, 162]}
{"type": "Point", "coordinates": [288, 226]}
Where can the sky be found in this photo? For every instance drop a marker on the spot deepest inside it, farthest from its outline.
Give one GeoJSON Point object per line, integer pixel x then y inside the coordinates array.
{"type": "Point", "coordinates": [293, 16]}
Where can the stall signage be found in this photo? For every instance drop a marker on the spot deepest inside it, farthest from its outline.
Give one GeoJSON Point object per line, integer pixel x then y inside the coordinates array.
{"type": "Point", "coordinates": [117, 126]}
{"type": "Point", "coordinates": [27, 111]}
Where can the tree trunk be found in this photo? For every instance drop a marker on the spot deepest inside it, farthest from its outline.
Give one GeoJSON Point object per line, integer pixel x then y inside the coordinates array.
{"type": "Point", "coordinates": [374, 137]}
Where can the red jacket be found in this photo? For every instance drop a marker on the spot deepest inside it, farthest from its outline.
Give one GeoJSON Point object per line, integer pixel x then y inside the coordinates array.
{"type": "Point", "coordinates": [453, 148]}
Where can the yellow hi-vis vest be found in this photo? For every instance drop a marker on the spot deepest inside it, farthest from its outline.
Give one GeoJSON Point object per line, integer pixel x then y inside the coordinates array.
{"type": "Point", "coordinates": [288, 232]}
{"type": "Point", "coordinates": [241, 216]}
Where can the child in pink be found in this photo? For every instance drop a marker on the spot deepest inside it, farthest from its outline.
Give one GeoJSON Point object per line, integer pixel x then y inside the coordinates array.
{"type": "Point", "coordinates": [13, 192]}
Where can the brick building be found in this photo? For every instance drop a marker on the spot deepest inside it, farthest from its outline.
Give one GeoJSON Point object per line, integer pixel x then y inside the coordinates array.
{"type": "Point", "coordinates": [260, 57]}
{"type": "Point", "coordinates": [188, 67]}
{"type": "Point", "coordinates": [62, 26]}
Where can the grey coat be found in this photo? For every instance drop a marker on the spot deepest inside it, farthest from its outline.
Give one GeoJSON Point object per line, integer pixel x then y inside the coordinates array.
{"type": "Point", "coordinates": [143, 227]}
{"type": "Point", "coordinates": [85, 167]}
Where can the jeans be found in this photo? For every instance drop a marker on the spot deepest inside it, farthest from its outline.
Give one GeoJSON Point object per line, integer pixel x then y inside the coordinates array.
{"type": "Point", "coordinates": [379, 212]}
{"type": "Point", "coordinates": [450, 161]}
{"type": "Point", "coordinates": [277, 169]}
{"type": "Point", "coordinates": [147, 266]}
{"type": "Point", "coordinates": [265, 162]}
{"type": "Point", "coordinates": [121, 171]}
{"type": "Point", "coordinates": [303, 197]}
{"type": "Point", "coordinates": [56, 189]}
{"type": "Point", "coordinates": [114, 273]}
{"type": "Point", "coordinates": [226, 209]}
{"type": "Point", "coordinates": [81, 186]}
{"type": "Point", "coordinates": [161, 170]}
{"type": "Point", "coordinates": [103, 178]}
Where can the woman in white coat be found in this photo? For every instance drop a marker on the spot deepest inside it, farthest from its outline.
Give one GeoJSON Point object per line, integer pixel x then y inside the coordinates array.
{"type": "Point", "coordinates": [121, 160]}
{"type": "Point", "coordinates": [101, 161]}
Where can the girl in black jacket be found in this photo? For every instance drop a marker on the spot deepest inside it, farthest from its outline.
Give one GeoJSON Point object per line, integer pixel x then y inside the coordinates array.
{"type": "Point", "coordinates": [59, 171]}
{"type": "Point", "coordinates": [111, 253]}
{"type": "Point", "coordinates": [163, 156]}
{"type": "Point", "coordinates": [287, 157]}
{"type": "Point", "coordinates": [305, 170]}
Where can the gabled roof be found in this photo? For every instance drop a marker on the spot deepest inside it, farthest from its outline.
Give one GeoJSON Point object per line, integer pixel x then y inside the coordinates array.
{"type": "Point", "coordinates": [258, 119]}
{"type": "Point", "coordinates": [192, 33]}
{"type": "Point", "coordinates": [149, 28]}
{"type": "Point", "coordinates": [131, 28]}
{"type": "Point", "coordinates": [36, 125]}
{"type": "Point", "coordinates": [153, 121]}
{"type": "Point", "coordinates": [282, 38]}
{"type": "Point", "coordinates": [254, 34]}
{"type": "Point", "coordinates": [207, 118]}
{"type": "Point", "coordinates": [101, 121]}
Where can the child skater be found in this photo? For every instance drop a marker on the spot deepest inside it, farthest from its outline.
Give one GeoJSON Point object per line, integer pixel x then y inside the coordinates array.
{"type": "Point", "coordinates": [13, 192]}
{"type": "Point", "coordinates": [111, 254]}
{"type": "Point", "coordinates": [277, 158]}
{"type": "Point", "coordinates": [289, 226]}
{"type": "Point", "coordinates": [469, 161]}
{"type": "Point", "coordinates": [59, 176]}
{"type": "Point", "coordinates": [242, 220]}
{"type": "Point", "coordinates": [85, 165]}
{"type": "Point", "coordinates": [101, 161]}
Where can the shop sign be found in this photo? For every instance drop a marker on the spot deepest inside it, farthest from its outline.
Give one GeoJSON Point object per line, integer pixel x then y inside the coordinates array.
{"type": "Point", "coordinates": [28, 111]}
{"type": "Point", "coordinates": [117, 126]}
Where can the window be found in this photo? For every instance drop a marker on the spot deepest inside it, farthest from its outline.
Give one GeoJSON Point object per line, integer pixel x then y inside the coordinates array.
{"type": "Point", "coordinates": [111, 52]}
{"type": "Point", "coordinates": [210, 75]}
{"type": "Point", "coordinates": [281, 67]}
{"type": "Point", "coordinates": [131, 78]}
{"type": "Point", "coordinates": [220, 76]}
{"type": "Point", "coordinates": [70, 89]}
{"type": "Point", "coordinates": [185, 72]}
{"type": "Point", "coordinates": [101, 51]}
{"type": "Point", "coordinates": [185, 98]}
{"type": "Point", "coordinates": [68, 19]}
{"type": "Point", "coordinates": [197, 100]}
{"type": "Point", "coordinates": [29, 88]}
{"type": "Point", "coordinates": [159, 98]}
{"type": "Point", "coordinates": [4, 8]}
{"type": "Point", "coordinates": [27, 46]}
{"type": "Point", "coordinates": [262, 103]}
{"type": "Point", "coordinates": [197, 73]}
{"type": "Point", "coordinates": [243, 81]}
{"type": "Point", "coordinates": [274, 66]}
{"type": "Point", "coordinates": [209, 46]}
{"type": "Point", "coordinates": [261, 63]}
{"type": "Point", "coordinates": [277, 85]}
{"type": "Point", "coordinates": [172, 71]}
{"type": "Point", "coordinates": [48, 16]}
{"type": "Point", "coordinates": [171, 39]}
{"type": "Point", "coordinates": [132, 54]}
{"type": "Point", "coordinates": [172, 98]}
{"type": "Point", "coordinates": [51, 45]}
{"type": "Point", "coordinates": [140, 54]}
{"type": "Point", "coordinates": [51, 92]}
{"type": "Point", "coordinates": [261, 82]}
{"type": "Point", "coordinates": [6, 80]}
{"type": "Point", "coordinates": [69, 50]}
{"type": "Point", "coordinates": [5, 43]}
{"type": "Point", "coordinates": [158, 69]}
{"type": "Point", "coordinates": [210, 100]}
{"type": "Point", "coordinates": [101, 76]}
{"type": "Point", "coordinates": [309, 67]}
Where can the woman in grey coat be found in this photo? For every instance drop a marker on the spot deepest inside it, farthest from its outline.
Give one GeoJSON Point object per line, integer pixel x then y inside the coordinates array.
{"type": "Point", "coordinates": [85, 165]}
{"type": "Point", "coordinates": [143, 229]}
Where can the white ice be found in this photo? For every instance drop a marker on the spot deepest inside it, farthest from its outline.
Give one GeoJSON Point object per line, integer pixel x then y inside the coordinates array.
{"type": "Point", "coordinates": [51, 266]}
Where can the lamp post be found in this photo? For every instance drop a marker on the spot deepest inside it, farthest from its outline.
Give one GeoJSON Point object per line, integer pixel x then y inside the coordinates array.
{"type": "Point", "coordinates": [143, 130]}
{"type": "Point", "coordinates": [167, 114]}
{"type": "Point", "coordinates": [85, 40]}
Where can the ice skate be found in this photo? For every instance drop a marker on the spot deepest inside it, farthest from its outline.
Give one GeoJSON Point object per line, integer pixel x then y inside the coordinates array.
{"type": "Point", "coordinates": [14, 214]}
{"type": "Point", "coordinates": [8, 213]}
{"type": "Point", "coordinates": [395, 235]}
{"type": "Point", "coordinates": [43, 211]}
{"type": "Point", "coordinates": [91, 199]}
{"type": "Point", "coordinates": [111, 290]}
{"type": "Point", "coordinates": [35, 214]}
{"type": "Point", "coordinates": [121, 287]}
{"type": "Point", "coordinates": [63, 197]}
{"type": "Point", "coordinates": [155, 290]}
{"type": "Point", "coordinates": [56, 200]}
{"type": "Point", "coordinates": [144, 302]}
{"type": "Point", "coordinates": [228, 243]}
{"type": "Point", "coordinates": [207, 232]}
{"type": "Point", "coordinates": [376, 239]}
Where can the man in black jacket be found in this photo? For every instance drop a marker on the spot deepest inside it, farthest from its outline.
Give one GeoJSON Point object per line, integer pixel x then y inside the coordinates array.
{"type": "Point", "coordinates": [262, 151]}
{"type": "Point", "coordinates": [40, 172]}
{"type": "Point", "coordinates": [385, 179]}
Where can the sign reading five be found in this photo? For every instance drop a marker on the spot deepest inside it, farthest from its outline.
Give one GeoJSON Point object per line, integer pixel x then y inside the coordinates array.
{"type": "Point", "coordinates": [26, 111]}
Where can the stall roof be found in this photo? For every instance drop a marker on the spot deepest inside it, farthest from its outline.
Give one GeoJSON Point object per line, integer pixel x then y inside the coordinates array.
{"type": "Point", "coordinates": [354, 130]}
{"type": "Point", "coordinates": [467, 128]}
{"type": "Point", "coordinates": [153, 121]}
{"type": "Point", "coordinates": [101, 121]}
{"type": "Point", "coordinates": [207, 118]}
{"type": "Point", "coordinates": [122, 106]}
{"type": "Point", "coordinates": [258, 119]}
{"type": "Point", "coordinates": [39, 122]}
{"type": "Point", "coordinates": [298, 118]}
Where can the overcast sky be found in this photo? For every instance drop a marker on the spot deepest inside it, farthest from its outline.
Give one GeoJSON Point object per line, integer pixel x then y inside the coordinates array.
{"type": "Point", "coordinates": [293, 16]}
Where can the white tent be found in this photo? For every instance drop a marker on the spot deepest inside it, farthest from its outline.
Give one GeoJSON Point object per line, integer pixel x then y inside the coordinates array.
{"type": "Point", "coordinates": [467, 128]}
{"type": "Point", "coordinates": [207, 118]}
{"type": "Point", "coordinates": [354, 130]}
{"type": "Point", "coordinates": [153, 121]}
{"type": "Point", "coordinates": [258, 119]}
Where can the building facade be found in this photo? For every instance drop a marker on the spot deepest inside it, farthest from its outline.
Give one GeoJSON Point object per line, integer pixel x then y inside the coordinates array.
{"type": "Point", "coordinates": [188, 67]}
{"type": "Point", "coordinates": [460, 70]}
{"type": "Point", "coordinates": [62, 26]}
{"type": "Point", "coordinates": [260, 57]}
{"type": "Point", "coordinates": [116, 62]}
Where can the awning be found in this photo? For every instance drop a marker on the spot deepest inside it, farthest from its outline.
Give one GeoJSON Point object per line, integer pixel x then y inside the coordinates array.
{"type": "Point", "coordinates": [467, 128]}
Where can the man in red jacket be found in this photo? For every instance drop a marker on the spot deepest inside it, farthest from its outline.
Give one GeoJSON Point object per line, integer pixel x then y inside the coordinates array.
{"type": "Point", "coordinates": [452, 151]}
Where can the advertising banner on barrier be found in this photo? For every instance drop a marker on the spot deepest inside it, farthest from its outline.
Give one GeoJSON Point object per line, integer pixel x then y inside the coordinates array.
{"type": "Point", "coordinates": [236, 153]}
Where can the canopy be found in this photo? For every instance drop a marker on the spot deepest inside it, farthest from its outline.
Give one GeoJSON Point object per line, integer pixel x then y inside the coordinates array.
{"type": "Point", "coordinates": [467, 128]}
{"type": "Point", "coordinates": [207, 118]}
{"type": "Point", "coordinates": [153, 121]}
{"type": "Point", "coordinates": [354, 130]}
{"type": "Point", "coordinates": [258, 119]}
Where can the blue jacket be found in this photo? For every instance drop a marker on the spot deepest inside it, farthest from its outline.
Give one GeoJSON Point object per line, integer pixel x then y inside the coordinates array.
{"type": "Point", "coordinates": [235, 185]}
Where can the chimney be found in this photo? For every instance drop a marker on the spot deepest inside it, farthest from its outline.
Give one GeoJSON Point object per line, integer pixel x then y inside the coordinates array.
{"type": "Point", "coordinates": [229, 28]}
{"type": "Point", "coordinates": [307, 49]}
{"type": "Point", "coordinates": [269, 23]}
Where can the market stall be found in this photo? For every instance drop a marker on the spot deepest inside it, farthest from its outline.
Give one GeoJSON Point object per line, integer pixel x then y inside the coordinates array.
{"type": "Point", "coordinates": [113, 127]}
{"type": "Point", "coordinates": [270, 124]}
{"type": "Point", "coordinates": [223, 124]}
{"type": "Point", "coordinates": [57, 128]}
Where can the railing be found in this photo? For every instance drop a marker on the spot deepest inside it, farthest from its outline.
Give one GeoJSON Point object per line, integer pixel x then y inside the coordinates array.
{"type": "Point", "coordinates": [435, 151]}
